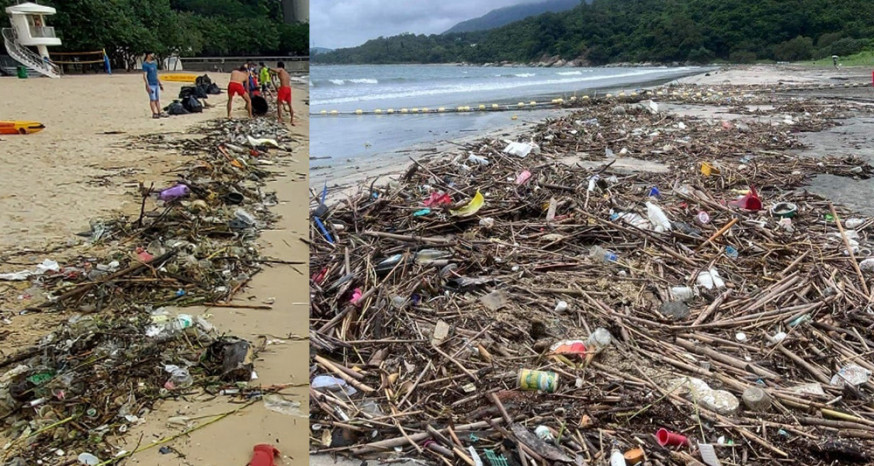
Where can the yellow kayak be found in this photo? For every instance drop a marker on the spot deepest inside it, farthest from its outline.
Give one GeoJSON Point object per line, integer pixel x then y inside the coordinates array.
{"type": "Point", "coordinates": [178, 77]}
{"type": "Point", "coordinates": [20, 127]}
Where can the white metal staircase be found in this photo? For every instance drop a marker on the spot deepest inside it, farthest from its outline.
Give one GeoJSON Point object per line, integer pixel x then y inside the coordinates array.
{"type": "Point", "coordinates": [27, 57]}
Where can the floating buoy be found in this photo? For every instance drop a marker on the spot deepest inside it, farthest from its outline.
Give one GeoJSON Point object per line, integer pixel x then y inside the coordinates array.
{"type": "Point", "coordinates": [359, 111]}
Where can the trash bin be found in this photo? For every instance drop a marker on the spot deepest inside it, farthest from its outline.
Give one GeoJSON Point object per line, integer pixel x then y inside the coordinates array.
{"type": "Point", "coordinates": [22, 72]}
{"type": "Point", "coordinates": [259, 105]}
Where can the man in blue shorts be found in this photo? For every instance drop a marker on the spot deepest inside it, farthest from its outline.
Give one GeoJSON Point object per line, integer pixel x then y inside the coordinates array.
{"type": "Point", "coordinates": [150, 76]}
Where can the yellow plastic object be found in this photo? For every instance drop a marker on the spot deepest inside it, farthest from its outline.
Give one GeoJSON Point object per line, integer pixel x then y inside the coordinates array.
{"type": "Point", "coordinates": [20, 127]}
{"type": "Point", "coordinates": [178, 77]}
{"type": "Point", "coordinates": [471, 207]}
{"type": "Point", "coordinates": [707, 169]}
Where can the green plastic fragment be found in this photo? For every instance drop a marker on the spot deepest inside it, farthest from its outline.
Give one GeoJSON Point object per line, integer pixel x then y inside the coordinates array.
{"type": "Point", "coordinates": [496, 460]}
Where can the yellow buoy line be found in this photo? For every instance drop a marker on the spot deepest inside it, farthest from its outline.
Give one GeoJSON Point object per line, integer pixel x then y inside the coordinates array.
{"type": "Point", "coordinates": [702, 95]}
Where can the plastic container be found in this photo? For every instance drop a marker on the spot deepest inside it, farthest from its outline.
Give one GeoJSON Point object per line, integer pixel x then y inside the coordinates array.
{"type": "Point", "coordinates": [179, 379]}
{"type": "Point", "coordinates": [731, 252]}
{"type": "Point", "coordinates": [667, 438]}
{"type": "Point", "coordinates": [617, 458]}
{"type": "Point", "coordinates": [22, 72]}
{"type": "Point", "coordinates": [632, 219]}
{"type": "Point", "coordinates": [599, 339]}
{"type": "Point", "coordinates": [657, 217]}
{"type": "Point", "coordinates": [682, 293]}
{"type": "Point", "coordinates": [537, 380]}
{"type": "Point", "coordinates": [634, 456]}
{"type": "Point", "coordinates": [544, 433]}
{"type": "Point", "coordinates": [603, 254]}
{"type": "Point", "coordinates": [169, 194]}
{"type": "Point", "coordinates": [86, 458]}
{"type": "Point", "coordinates": [756, 399]}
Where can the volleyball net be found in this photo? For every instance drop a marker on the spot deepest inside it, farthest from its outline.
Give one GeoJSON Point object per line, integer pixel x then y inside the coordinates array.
{"type": "Point", "coordinates": [80, 58]}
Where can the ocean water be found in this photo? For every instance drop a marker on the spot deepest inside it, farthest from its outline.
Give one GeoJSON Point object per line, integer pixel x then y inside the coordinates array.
{"type": "Point", "coordinates": [346, 88]}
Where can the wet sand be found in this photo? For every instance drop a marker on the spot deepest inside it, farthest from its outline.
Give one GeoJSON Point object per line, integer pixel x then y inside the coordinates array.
{"type": "Point", "coordinates": [72, 172]}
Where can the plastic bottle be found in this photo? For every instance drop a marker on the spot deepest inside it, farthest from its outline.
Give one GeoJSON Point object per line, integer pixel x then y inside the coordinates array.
{"type": "Point", "coordinates": [180, 190]}
{"type": "Point", "coordinates": [703, 217]}
{"type": "Point", "coordinates": [617, 458]}
{"type": "Point", "coordinates": [731, 252]}
{"type": "Point", "coordinates": [657, 217]}
{"type": "Point", "coordinates": [632, 219]}
{"type": "Point", "coordinates": [477, 159]}
{"type": "Point", "coordinates": [603, 254]}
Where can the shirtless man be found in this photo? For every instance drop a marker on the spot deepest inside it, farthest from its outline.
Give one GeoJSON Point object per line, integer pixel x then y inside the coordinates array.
{"type": "Point", "coordinates": [283, 95]}
{"type": "Point", "coordinates": [237, 86]}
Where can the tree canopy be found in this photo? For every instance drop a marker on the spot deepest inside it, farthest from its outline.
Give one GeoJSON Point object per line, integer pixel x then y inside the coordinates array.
{"type": "Point", "coordinates": [664, 31]}
{"type": "Point", "coordinates": [129, 28]}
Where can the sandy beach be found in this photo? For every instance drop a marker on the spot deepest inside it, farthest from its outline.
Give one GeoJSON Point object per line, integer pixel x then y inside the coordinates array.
{"type": "Point", "coordinates": [85, 165]}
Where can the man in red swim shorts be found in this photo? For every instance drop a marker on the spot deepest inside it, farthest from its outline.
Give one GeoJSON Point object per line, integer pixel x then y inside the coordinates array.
{"type": "Point", "coordinates": [283, 95]}
{"type": "Point", "coordinates": [237, 86]}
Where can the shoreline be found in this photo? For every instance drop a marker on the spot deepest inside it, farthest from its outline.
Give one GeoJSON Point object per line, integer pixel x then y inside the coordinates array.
{"type": "Point", "coordinates": [380, 164]}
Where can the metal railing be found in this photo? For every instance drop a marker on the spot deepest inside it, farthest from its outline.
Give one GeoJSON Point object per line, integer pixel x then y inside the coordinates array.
{"type": "Point", "coordinates": [42, 32]}
{"type": "Point", "coordinates": [27, 57]}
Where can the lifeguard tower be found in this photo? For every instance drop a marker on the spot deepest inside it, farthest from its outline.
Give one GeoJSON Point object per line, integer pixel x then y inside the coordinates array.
{"type": "Point", "coordinates": [29, 30]}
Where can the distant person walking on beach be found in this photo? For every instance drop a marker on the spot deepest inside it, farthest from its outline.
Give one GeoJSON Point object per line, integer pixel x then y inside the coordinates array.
{"type": "Point", "coordinates": [237, 86]}
{"type": "Point", "coordinates": [835, 60]}
{"type": "Point", "coordinates": [264, 79]}
{"type": "Point", "coordinates": [150, 77]}
{"type": "Point", "coordinates": [283, 95]}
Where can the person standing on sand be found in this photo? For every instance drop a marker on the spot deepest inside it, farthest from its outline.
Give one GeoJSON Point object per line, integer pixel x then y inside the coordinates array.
{"type": "Point", "coordinates": [835, 60]}
{"type": "Point", "coordinates": [237, 86]}
{"type": "Point", "coordinates": [283, 95]}
{"type": "Point", "coordinates": [264, 79]}
{"type": "Point", "coordinates": [150, 77]}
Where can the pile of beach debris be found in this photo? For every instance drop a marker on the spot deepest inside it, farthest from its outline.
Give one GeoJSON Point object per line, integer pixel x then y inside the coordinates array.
{"type": "Point", "coordinates": [126, 345]}
{"type": "Point", "coordinates": [531, 302]}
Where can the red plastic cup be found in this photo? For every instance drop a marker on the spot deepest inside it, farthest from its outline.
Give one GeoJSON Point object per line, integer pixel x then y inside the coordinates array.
{"type": "Point", "coordinates": [667, 438]}
{"type": "Point", "coordinates": [264, 455]}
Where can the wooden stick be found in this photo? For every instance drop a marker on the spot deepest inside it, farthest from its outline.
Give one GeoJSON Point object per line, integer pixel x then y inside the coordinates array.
{"type": "Point", "coordinates": [718, 233]}
{"type": "Point", "coordinates": [850, 251]}
{"type": "Point", "coordinates": [384, 445]}
{"type": "Point", "coordinates": [351, 380]}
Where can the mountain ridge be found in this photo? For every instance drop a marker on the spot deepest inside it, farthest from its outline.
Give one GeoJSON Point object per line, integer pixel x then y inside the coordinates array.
{"type": "Point", "coordinates": [510, 14]}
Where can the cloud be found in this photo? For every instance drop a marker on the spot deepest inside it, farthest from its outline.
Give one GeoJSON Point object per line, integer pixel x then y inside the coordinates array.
{"type": "Point", "coordinates": [347, 23]}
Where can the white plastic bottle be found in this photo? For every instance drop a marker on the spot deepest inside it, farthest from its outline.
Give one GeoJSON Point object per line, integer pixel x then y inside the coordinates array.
{"type": "Point", "coordinates": [657, 217]}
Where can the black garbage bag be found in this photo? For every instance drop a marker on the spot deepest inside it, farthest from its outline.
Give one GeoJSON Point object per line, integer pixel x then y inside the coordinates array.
{"type": "Point", "coordinates": [200, 91]}
{"type": "Point", "coordinates": [192, 104]}
{"type": "Point", "coordinates": [176, 108]}
{"type": "Point", "coordinates": [202, 80]}
{"type": "Point", "coordinates": [259, 105]}
{"type": "Point", "coordinates": [213, 89]}
{"type": "Point", "coordinates": [187, 91]}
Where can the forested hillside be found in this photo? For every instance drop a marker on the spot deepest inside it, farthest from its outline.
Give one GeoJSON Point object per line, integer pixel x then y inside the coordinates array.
{"type": "Point", "coordinates": [128, 28]}
{"type": "Point", "coordinates": [502, 16]}
{"type": "Point", "coordinates": [646, 31]}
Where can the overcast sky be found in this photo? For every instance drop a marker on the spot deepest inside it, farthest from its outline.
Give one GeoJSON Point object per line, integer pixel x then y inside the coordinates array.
{"type": "Point", "coordinates": [347, 23]}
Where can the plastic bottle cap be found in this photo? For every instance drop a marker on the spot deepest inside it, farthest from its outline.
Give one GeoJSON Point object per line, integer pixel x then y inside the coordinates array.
{"type": "Point", "coordinates": [634, 456]}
